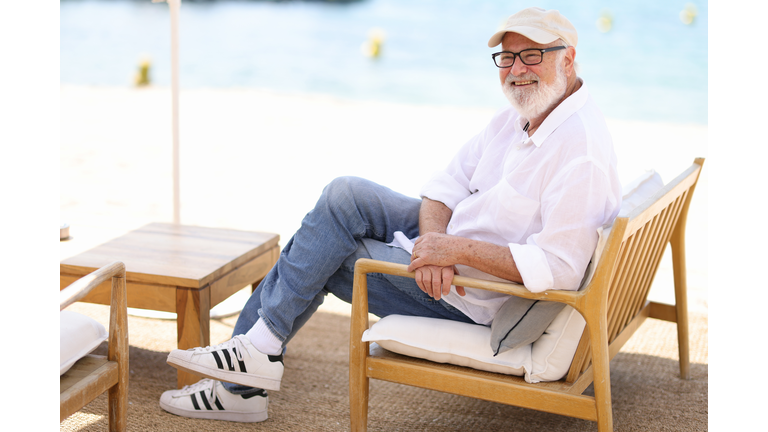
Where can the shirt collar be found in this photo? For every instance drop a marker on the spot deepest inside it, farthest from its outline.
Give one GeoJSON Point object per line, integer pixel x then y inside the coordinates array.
{"type": "Point", "coordinates": [561, 113]}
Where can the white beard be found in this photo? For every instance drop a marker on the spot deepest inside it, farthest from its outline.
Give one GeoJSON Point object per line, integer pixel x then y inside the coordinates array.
{"type": "Point", "coordinates": [531, 102]}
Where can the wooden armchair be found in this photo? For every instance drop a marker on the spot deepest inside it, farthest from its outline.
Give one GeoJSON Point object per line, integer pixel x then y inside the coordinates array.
{"type": "Point", "coordinates": [614, 305]}
{"type": "Point", "coordinates": [92, 375]}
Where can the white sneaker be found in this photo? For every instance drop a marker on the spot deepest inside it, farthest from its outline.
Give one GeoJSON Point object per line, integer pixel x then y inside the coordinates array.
{"type": "Point", "coordinates": [208, 399]}
{"type": "Point", "coordinates": [235, 361]}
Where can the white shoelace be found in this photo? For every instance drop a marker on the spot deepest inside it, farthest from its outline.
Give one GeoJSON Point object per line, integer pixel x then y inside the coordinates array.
{"type": "Point", "coordinates": [238, 344]}
{"type": "Point", "coordinates": [202, 385]}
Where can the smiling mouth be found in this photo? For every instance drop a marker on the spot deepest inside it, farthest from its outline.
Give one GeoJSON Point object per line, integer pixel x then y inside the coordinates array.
{"type": "Point", "coordinates": [522, 83]}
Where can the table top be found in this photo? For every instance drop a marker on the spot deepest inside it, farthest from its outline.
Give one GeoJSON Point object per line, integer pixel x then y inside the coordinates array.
{"type": "Point", "coordinates": [169, 254]}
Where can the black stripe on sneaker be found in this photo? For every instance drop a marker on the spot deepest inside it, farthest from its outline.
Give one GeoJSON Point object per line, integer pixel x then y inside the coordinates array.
{"type": "Point", "coordinates": [194, 402]}
{"type": "Point", "coordinates": [218, 404]}
{"type": "Point", "coordinates": [229, 360]}
{"type": "Point", "coordinates": [239, 362]}
{"type": "Point", "coordinates": [205, 400]}
{"type": "Point", "coordinates": [277, 358]}
{"type": "Point", "coordinates": [218, 360]}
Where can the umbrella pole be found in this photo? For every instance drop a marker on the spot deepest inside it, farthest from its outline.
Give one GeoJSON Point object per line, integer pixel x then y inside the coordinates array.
{"type": "Point", "coordinates": [175, 5]}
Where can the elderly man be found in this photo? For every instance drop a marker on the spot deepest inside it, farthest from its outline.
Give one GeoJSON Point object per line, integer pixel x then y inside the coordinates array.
{"type": "Point", "coordinates": [521, 201]}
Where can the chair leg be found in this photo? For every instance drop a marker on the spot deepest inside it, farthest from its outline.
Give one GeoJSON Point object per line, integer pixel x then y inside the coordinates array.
{"type": "Point", "coordinates": [681, 299]}
{"type": "Point", "coordinates": [358, 355]}
{"type": "Point", "coordinates": [118, 407]}
{"type": "Point", "coordinates": [118, 351]}
{"type": "Point", "coordinates": [358, 404]}
{"type": "Point", "coordinates": [602, 374]}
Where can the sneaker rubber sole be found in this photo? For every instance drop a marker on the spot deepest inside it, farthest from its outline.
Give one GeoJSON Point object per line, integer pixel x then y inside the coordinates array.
{"type": "Point", "coordinates": [243, 417]}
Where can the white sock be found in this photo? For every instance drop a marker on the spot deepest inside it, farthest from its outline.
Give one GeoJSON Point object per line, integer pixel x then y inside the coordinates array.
{"type": "Point", "coordinates": [264, 340]}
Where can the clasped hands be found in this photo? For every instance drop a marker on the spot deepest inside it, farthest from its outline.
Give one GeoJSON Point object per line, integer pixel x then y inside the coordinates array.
{"type": "Point", "coordinates": [433, 260]}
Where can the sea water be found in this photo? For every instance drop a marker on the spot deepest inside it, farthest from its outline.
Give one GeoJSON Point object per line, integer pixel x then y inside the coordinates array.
{"type": "Point", "coordinates": [641, 60]}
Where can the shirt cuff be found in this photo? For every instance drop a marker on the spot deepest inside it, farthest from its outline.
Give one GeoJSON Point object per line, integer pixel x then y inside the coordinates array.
{"type": "Point", "coordinates": [532, 264]}
{"type": "Point", "coordinates": [444, 188]}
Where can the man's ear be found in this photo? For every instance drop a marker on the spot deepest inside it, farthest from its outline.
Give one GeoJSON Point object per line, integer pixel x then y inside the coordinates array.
{"type": "Point", "coordinates": [570, 61]}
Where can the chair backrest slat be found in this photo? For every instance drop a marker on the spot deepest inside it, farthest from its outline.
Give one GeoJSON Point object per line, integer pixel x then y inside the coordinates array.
{"type": "Point", "coordinates": [624, 286]}
{"type": "Point", "coordinates": [652, 236]}
{"type": "Point", "coordinates": [663, 223]}
{"type": "Point", "coordinates": [662, 227]}
{"type": "Point", "coordinates": [620, 272]}
{"type": "Point", "coordinates": [655, 232]}
{"type": "Point", "coordinates": [671, 215]}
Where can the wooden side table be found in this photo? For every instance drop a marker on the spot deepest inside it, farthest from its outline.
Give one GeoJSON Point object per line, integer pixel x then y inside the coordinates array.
{"type": "Point", "coordinates": [182, 269]}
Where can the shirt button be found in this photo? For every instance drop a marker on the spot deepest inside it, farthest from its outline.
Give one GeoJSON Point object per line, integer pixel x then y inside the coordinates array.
{"type": "Point", "coordinates": [518, 147]}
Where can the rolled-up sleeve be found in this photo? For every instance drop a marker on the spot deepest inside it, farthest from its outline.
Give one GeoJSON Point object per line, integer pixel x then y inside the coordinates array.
{"type": "Point", "coordinates": [532, 263]}
{"type": "Point", "coordinates": [446, 189]}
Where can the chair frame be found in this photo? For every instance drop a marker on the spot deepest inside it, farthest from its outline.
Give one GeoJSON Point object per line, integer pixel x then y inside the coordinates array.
{"type": "Point", "coordinates": [92, 375]}
{"type": "Point", "coordinates": [614, 305]}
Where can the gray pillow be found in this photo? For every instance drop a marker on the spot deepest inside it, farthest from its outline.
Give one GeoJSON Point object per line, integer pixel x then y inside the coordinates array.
{"type": "Point", "coordinates": [520, 322]}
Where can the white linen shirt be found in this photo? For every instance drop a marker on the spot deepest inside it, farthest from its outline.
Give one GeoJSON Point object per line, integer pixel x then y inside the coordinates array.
{"type": "Point", "coordinates": [543, 196]}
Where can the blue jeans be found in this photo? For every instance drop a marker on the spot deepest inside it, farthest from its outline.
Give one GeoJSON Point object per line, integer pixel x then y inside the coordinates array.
{"type": "Point", "coordinates": [354, 218]}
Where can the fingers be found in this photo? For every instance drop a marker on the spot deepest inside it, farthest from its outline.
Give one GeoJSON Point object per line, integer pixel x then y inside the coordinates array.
{"type": "Point", "coordinates": [459, 289]}
{"type": "Point", "coordinates": [447, 279]}
{"type": "Point", "coordinates": [434, 281]}
{"type": "Point", "coordinates": [426, 281]}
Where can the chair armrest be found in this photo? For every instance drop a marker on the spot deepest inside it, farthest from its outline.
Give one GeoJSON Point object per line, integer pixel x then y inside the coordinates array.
{"type": "Point", "coordinates": [365, 265]}
{"type": "Point", "coordinates": [81, 287]}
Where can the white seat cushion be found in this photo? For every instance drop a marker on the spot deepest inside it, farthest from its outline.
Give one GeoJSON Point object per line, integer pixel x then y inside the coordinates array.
{"type": "Point", "coordinates": [463, 344]}
{"type": "Point", "coordinates": [79, 335]}
{"type": "Point", "coordinates": [446, 341]}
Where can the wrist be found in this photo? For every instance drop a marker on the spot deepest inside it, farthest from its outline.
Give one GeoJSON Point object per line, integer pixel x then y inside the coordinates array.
{"type": "Point", "coordinates": [464, 251]}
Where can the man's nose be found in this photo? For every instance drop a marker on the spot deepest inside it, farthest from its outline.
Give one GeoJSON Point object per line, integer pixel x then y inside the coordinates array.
{"type": "Point", "coordinates": [518, 67]}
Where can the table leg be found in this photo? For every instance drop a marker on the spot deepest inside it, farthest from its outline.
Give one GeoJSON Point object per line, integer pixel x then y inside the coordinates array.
{"type": "Point", "coordinates": [193, 318]}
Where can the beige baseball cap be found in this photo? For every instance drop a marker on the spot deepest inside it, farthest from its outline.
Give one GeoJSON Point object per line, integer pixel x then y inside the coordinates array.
{"type": "Point", "coordinates": [539, 25]}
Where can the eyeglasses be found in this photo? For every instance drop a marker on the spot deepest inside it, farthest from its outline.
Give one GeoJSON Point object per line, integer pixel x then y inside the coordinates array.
{"type": "Point", "coordinates": [529, 57]}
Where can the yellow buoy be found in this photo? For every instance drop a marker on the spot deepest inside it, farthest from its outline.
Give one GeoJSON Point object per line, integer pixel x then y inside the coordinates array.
{"type": "Point", "coordinates": [142, 76]}
{"type": "Point", "coordinates": [605, 22]}
{"type": "Point", "coordinates": [688, 14]}
{"type": "Point", "coordinates": [372, 47]}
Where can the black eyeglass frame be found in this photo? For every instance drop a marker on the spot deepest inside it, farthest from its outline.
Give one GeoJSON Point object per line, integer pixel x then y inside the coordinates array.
{"type": "Point", "coordinates": [516, 55]}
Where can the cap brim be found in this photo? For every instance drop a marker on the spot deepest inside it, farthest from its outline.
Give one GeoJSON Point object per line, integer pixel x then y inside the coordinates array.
{"type": "Point", "coordinates": [535, 34]}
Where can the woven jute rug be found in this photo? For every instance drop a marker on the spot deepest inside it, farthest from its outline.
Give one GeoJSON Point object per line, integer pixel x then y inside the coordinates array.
{"type": "Point", "coordinates": [648, 394]}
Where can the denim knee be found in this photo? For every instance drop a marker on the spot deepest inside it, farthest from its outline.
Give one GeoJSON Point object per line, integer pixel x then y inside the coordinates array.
{"type": "Point", "coordinates": [343, 197]}
{"type": "Point", "coordinates": [343, 191]}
